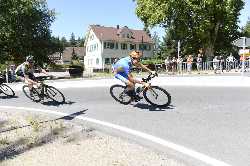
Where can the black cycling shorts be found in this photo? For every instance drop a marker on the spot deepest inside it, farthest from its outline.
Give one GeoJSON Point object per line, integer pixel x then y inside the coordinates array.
{"type": "Point", "coordinates": [30, 75]}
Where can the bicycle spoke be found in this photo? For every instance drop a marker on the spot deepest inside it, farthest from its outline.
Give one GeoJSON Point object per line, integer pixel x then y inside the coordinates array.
{"type": "Point", "coordinates": [55, 94]}
{"type": "Point", "coordinates": [157, 96]}
{"type": "Point", "coordinates": [33, 95]}
{"type": "Point", "coordinates": [7, 90]}
{"type": "Point", "coordinates": [117, 92]}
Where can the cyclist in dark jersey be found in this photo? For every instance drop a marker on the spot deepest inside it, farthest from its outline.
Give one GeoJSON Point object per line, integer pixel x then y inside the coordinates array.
{"type": "Point", "coordinates": [122, 71]}
{"type": "Point", "coordinates": [25, 72]}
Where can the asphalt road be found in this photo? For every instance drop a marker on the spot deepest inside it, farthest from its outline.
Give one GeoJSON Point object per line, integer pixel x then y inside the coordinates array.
{"type": "Point", "coordinates": [211, 120]}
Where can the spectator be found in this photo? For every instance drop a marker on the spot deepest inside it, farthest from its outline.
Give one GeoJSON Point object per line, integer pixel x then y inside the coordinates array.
{"type": "Point", "coordinates": [167, 64]}
{"type": "Point", "coordinates": [242, 61]}
{"type": "Point", "coordinates": [179, 64]}
{"type": "Point", "coordinates": [12, 73]}
{"type": "Point", "coordinates": [199, 63]}
{"type": "Point", "coordinates": [230, 62]}
{"type": "Point", "coordinates": [189, 63]}
{"type": "Point", "coordinates": [174, 65]}
{"type": "Point", "coordinates": [221, 62]}
{"type": "Point", "coordinates": [216, 64]}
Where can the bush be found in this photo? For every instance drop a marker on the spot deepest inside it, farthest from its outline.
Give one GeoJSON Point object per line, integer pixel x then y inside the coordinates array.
{"type": "Point", "coordinates": [76, 70]}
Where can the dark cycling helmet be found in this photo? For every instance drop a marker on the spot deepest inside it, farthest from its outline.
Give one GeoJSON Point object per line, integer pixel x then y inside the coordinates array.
{"type": "Point", "coordinates": [30, 59]}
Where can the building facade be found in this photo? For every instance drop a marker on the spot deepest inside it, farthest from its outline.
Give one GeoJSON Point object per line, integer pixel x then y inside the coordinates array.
{"type": "Point", "coordinates": [105, 44]}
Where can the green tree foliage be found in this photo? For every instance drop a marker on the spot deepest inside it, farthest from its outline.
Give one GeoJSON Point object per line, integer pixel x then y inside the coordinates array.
{"type": "Point", "coordinates": [72, 40]}
{"type": "Point", "coordinates": [208, 24]}
{"type": "Point", "coordinates": [25, 29]}
{"type": "Point", "coordinates": [157, 41]}
{"type": "Point", "coordinates": [246, 29]}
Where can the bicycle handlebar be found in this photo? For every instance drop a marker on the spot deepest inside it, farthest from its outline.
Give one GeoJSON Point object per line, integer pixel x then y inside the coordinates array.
{"type": "Point", "coordinates": [41, 79]}
{"type": "Point", "coordinates": [150, 76]}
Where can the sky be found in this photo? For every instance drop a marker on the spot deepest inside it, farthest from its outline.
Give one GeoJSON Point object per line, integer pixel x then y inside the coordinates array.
{"type": "Point", "coordinates": [75, 16]}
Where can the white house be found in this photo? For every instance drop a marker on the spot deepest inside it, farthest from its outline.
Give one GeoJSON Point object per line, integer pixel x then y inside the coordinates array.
{"type": "Point", "coordinates": [104, 44]}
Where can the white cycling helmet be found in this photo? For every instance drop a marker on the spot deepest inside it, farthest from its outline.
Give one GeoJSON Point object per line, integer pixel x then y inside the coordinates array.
{"type": "Point", "coordinates": [30, 59]}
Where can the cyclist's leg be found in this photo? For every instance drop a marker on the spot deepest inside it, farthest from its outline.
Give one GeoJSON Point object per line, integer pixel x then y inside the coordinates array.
{"type": "Point", "coordinates": [31, 80]}
{"type": "Point", "coordinates": [130, 85]}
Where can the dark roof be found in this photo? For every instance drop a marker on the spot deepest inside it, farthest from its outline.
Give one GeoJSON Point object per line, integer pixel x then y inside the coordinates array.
{"type": "Point", "coordinates": [113, 34]}
{"type": "Point", "coordinates": [67, 53]}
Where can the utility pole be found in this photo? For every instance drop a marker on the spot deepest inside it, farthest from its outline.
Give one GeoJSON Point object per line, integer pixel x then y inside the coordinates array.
{"type": "Point", "coordinates": [243, 60]}
{"type": "Point", "coordinates": [179, 48]}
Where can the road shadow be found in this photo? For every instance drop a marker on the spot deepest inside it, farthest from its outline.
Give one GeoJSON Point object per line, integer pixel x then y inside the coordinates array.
{"type": "Point", "coordinates": [149, 107]}
{"type": "Point", "coordinates": [72, 116]}
{"type": "Point", "coordinates": [8, 97]}
{"type": "Point", "coordinates": [54, 103]}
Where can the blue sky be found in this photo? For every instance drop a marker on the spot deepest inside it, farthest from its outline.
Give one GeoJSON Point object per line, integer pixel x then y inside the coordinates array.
{"type": "Point", "coordinates": [76, 15]}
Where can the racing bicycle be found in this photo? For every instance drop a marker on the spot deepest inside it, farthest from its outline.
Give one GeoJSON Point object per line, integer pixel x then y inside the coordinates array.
{"type": "Point", "coordinates": [154, 95]}
{"type": "Point", "coordinates": [44, 91]}
{"type": "Point", "coordinates": [5, 89]}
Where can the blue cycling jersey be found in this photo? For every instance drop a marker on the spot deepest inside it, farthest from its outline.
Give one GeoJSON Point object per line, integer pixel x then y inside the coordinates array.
{"type": "Point", "coordinates": [125, 64]}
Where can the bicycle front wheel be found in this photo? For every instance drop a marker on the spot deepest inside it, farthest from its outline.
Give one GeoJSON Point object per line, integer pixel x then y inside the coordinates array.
{"type": "Point", "coordinates": [118, 93]}
{"type": "Point", "coordinates": [55, 95]}
{"type": "Point", "coordinates": [157, 96]}
{"type": "Point", "coordinates": [33, 95]}
{"type": "Point", "coordinates": [7, 90]}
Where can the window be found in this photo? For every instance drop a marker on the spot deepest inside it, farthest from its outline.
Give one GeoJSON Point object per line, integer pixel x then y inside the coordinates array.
{"type": "Point", "coordinates": [132, 46]}
{"type": "Point", "coordinates": [116, 45]}
{"type": "Point", "coordinates": [91, 37]}
{"type": "Point", "coordinates": [109, 45]}
{"type": "Point", "coordinates": [97, 61]}
{"type": "Point", "coordinates": [124, 46]}
{"type": "Point", "coordinates": [145, 47]}
{"type": "Point", "coordinates": [107, 61]}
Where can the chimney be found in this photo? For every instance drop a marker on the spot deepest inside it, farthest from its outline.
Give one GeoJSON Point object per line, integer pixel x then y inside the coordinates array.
{"type": "Point", "coordinates": [117, 27]}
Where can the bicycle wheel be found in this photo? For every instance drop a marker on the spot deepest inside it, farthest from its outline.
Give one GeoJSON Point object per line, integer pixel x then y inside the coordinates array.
{"type": "Point", "coordinates": [157, 96]}
{"type": "Point", "coordinates": [33, 95]}
{"type": "Point", "coordinates": [117, 92]}
{"type": "Point", "coordinates": [7, 90]}
{"type": "Point", "coordinates": [54, 94]}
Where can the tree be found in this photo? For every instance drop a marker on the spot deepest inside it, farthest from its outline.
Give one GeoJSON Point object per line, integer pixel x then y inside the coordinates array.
{"type": "Point", "coordinates": [25, 29]}
{"type": "Point", "coordinates": [246, 29]}
{"type": "Point", "coordinates": [156, 41]}
{"type": "Point", "coordinates": [208, 24]}
{"type": "Point", "coordinates": [72, 40]}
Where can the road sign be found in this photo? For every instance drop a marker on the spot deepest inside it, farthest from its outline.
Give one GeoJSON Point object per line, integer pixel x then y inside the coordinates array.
{"type": "Point", "coordinates": [240, 42]}
{"type": "Point", "coordinates": [246, 52]}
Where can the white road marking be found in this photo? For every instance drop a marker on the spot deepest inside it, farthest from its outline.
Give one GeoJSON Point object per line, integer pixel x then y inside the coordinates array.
{"type": "Point", "coordinates": [189, 152]}
{"type": "Point", "coordinates": [205, 81]}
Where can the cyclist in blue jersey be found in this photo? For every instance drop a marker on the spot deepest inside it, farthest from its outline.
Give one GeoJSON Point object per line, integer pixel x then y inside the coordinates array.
{"type": "Point", "coordinates": [122, 71]}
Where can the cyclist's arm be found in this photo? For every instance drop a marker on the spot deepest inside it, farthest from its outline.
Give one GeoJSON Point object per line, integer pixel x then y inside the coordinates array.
{"type": "Point", "coordinates": [144, 67]}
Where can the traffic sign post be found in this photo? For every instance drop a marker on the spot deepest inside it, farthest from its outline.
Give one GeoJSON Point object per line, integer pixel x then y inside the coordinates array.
{"type": "Point", "coordinates": [242, 42]}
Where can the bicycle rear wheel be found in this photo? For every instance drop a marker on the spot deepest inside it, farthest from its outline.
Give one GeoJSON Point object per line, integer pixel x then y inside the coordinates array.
{"type": "Point", "coordinates": [54, 94]}
{"type": "Point", "coordinates": [7, 90]}
{"type": "Point", "coordinates": [118, 93]}
{"type": "Point", "coordinates": [33, 95]}
{"type": "Point", "coordinates": [157, 96]}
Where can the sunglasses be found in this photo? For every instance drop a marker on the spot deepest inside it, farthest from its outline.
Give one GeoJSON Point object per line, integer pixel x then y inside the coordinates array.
{"type": "Point", "coordinates": [134, 58]}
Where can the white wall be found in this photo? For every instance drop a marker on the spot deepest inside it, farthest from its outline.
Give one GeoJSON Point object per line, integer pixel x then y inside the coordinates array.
{"type": "Point", "coordinates": [93, 52]}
